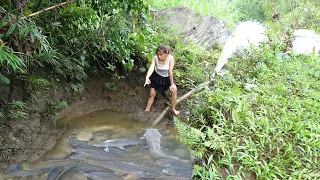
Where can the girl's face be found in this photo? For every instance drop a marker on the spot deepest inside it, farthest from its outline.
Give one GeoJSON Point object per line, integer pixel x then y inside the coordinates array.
{"type": "Point", "coordinates": [161, 55]}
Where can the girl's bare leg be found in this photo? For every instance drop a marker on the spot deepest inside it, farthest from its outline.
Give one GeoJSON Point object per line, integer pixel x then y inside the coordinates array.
{"type": "Point", "coordinates": [174, 102]}
{"type": "Point", "coordinates": [150, 99]}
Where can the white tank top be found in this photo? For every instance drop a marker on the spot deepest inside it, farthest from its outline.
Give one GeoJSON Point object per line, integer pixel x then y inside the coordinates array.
{"type": "Point", "coordinates": [163, 70]}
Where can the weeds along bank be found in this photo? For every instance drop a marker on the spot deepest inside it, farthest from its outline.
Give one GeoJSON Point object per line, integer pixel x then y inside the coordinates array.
{"type": "Point", "coordinates": [260, 120]}
{"type": "Point", "coordinates": [270, 131]}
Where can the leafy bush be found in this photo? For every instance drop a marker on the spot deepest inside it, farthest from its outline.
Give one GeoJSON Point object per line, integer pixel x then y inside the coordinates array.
{"type": "Point", "coordinates": [196, 59]}
{"type": "Point", "coordinates": [305, 15]}
{"type": "Point", "coordinates": [77, 88]}
{"type": "Point", "coordinates": [267, 132]}
{"type": "Point", "coordinates": [251, 9]}
{"type": "Point", "coordinates": [110, 86]}
{"type": "Point", "coordinates": [9, 64]}
{"type": "Point", "coordinates": [223, 9]}
{"type": "Point", "coordinates": [85, 36]}
{"type": "Point", "coordinates": [67, 42]}
{"type": "Point", "coordinates": [17, 110]}
{"type": "Point", "coordinates": [99, 33]}
{"type": "Point", "coordinates": [57, 105]}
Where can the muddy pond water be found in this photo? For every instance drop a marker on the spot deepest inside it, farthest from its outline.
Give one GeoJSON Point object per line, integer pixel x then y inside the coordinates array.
{"type": "Point", "coordinates": [110, 145]}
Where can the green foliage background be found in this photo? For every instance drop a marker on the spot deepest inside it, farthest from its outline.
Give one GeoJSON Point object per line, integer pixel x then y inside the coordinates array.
{"type": "Point", "coordinates": [68, 42]}
{"type": "Point", "coordinates": [268, 132]}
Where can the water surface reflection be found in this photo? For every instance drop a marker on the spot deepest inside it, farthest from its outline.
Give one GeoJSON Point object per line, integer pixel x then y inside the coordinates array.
{"type": "Point", "coordinates": [75, 156]}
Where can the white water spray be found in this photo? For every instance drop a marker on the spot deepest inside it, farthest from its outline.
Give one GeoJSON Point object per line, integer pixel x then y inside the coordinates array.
{"type": "Point", "coordinates": [246, 34]}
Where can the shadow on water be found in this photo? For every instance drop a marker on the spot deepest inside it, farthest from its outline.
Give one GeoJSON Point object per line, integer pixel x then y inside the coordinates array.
{"type": "Point", "coordinates": [109, 145]}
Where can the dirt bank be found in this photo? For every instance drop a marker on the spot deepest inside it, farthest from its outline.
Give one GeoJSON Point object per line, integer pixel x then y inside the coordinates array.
{"type": "Point", "coordinates": [128, 95]}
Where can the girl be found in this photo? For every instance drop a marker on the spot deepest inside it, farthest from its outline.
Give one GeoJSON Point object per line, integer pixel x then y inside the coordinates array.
{"type": "Point", "coordinates": [161, 78]}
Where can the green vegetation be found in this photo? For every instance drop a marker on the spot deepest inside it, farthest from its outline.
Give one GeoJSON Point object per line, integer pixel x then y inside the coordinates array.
{"type": "Point", "coordinates": [304, 14]}
{"type": "Point", "coordinates": [221, 9]}
{"type": "Point", "coordinates": [58, 105]}
{"type": "Point", "coordinates": [17, 110]}
{"type": "Point", "coordinates": [65, 44]}
{"type": "Point", "coordinates": [268, 132]}
{"type": "Point", "coordinates": [110, 86]}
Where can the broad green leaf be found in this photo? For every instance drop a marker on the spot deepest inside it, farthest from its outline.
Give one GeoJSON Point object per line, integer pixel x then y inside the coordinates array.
{"type": "Point", "coordinates": [4, 79]}
{"type": "Point", "coordinates": [32, 36]}
{"type": "Point", "coordinates": [4, 19]}
{"type": "Point", "coordinates": [11, 29]}
{"type": "Point", "coordinates": [210, 159]}
{"type": "Point", "coordinates": [2, 10]}
{"type": "Point", "coordinates": [141, 40]}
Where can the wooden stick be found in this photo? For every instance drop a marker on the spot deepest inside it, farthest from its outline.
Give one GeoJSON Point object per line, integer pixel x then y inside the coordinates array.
{"type": "Point", "coordinates": [185, 96]}
{"type": "Point", "coordinates": [47, 9]}
{"type": "Point", "coordinates": [41, 11]}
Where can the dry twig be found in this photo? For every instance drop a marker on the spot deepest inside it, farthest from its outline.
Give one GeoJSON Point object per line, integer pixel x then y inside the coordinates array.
{"type": "Point", "coordinates": [179, 100]}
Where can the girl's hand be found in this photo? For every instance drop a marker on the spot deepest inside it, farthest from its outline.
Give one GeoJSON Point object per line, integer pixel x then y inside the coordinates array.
{"type": "Point", "coordinates": [173, 88]}
{"type": "Point", "coordinates": [146, 82]}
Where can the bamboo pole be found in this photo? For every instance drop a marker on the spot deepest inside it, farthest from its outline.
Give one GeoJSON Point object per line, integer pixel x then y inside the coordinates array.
{"type": "Point", "coordinates": [179, 100]}
{"type": "Point", "coordinates": [47, 9]}
{"type": "Point", "coordinates": [41, 11]}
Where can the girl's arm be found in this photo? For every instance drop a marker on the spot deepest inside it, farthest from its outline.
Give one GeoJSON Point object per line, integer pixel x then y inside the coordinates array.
{"type": "Point", "coordinates": [171, 65]}
{"type": "Point", "coordinates": [150, 71]}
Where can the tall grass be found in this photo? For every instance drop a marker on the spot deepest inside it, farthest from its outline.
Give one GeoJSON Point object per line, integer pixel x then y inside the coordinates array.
{"type": "Point", "coordinates": [269, 132]}
{"type": "Point", "coordinates": [301, 13]}
{"type": "Point", "coordinates": [219, 8]}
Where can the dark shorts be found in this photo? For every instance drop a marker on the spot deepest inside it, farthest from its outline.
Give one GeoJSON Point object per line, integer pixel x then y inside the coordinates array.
{"type": "Point", "coordinates": [159, 83]}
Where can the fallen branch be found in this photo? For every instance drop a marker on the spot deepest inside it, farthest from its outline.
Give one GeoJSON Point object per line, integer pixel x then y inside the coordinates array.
{"type": "Point", "coordinates": [179, 100]}
{"type": "Point", "coordinates": [36, 13]}
{"type": "Point", "coordinates": [47, 9]}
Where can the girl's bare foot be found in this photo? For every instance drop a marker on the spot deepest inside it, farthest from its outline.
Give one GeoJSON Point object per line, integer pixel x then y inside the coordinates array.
{"type": "Point", "coordinates": [175, 112]}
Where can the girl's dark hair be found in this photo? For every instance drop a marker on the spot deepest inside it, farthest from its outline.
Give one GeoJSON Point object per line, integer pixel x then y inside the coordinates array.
{"type": "Point", "coordinates": [163, 48]}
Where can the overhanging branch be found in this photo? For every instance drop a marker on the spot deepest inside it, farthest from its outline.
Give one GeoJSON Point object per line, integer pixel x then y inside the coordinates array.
{"type": "Point", "coordinates": [47, 9]}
